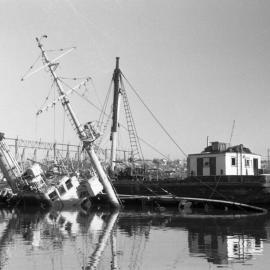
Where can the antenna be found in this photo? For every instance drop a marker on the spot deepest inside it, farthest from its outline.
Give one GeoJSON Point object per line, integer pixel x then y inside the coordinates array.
{"type": "Point", "coordinates": [233, 126]}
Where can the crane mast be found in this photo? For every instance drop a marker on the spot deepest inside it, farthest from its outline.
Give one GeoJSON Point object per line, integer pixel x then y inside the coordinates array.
{"type": "Point", "coordinates": [115, 115]}
{"type": "Point", "coordinates": [120, 92]}
{"type": "Point", "coordinates": [86, 133]}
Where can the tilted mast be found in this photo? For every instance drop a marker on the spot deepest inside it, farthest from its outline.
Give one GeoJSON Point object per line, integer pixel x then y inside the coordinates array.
{"type": "Point", "coordinates": [115, 115]}
{"type": "Point", "coordinates": [85, 133]}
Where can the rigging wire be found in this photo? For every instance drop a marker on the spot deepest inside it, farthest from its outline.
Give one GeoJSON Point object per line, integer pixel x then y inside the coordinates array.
{"type": "Point", "coordinates": [60, 97]}
{"type": "Point", "coordinates": [105, 104]}
{"type": "Point", "coordinates": [96, 107]}
{"type": "Point", "coordinates": [96, 92]}
{"type": "Point", "coordinates": [30, 68]}
{"type": "Point", "coordinates": [47, 64]}
{"type": "Point", "coordinates": [79, 94]}
{"type": "Point", "coordinates": [155, 118]}
{"type": "Point", "coordinates": [36, 126]}
{"type": "Point", "coordinates": [101, 110]}
{"type": "Point", "coordinates": [215, 191]}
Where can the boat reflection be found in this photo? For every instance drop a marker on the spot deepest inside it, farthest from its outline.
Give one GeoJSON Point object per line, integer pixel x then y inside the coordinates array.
{"type": "Point", "coordinates": [220, 239]}
{"type": "Point", "coordinates": [221, 249]}
{"type": "Point", "coordinates": [103, 240]}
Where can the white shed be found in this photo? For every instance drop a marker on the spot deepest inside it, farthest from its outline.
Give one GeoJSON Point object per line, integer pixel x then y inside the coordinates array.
{"type": "Point", "coordinates": [220, 159]}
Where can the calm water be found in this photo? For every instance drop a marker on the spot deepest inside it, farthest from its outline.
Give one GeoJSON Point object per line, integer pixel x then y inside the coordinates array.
{"type": "Point", "coordinates": [132, 240]}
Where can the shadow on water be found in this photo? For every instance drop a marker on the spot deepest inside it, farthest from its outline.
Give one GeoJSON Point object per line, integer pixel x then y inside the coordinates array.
{"type": "Point", "coordinates": [219, 239]}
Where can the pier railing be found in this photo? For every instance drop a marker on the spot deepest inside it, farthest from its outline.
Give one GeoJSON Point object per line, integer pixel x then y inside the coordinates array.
{"type": "Point", "coordinates": [40, 151]}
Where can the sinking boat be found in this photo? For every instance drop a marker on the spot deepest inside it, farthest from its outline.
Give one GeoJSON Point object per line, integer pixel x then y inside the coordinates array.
{"type": "Point", "coordinates": [32, 188]}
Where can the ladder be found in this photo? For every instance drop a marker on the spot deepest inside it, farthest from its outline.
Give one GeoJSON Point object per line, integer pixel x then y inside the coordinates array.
{"type": "Point", "coordinates": [133, 137]}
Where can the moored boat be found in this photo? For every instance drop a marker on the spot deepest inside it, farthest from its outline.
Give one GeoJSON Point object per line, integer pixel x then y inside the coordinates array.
{"type": "Point", "coordinates": [218, 172]}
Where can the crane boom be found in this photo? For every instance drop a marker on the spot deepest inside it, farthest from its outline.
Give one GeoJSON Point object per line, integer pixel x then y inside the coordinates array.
{"type": "Point", "coordinates": [9, 166]}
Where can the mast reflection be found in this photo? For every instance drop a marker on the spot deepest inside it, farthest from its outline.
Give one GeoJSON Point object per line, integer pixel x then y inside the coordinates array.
{"type": "Point", "coordinates": [51, 230]}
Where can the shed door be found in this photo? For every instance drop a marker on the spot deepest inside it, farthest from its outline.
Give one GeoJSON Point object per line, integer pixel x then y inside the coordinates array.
{"type": "Point", "coordinates": [212, 162]}
{"type": "Point", "coordinates": [200, 166]}
{"type": "Point", "coordinates": [255, 166]}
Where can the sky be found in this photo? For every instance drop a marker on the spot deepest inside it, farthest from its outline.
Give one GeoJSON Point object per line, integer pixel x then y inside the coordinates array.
{"type": "Point", "coordinates": [199, 65]}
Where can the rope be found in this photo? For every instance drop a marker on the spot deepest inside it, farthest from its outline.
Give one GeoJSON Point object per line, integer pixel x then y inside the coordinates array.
{"type": "Point", "coordinates": [155, 118]}
{"type": "Point", "coordinates": [73, 90]}
{"type": "Point", "coordinates": [104, 107]}
{"type": "Point", "coordinates": [96, 92]}
{"type": "Point", "coordinates": [47, 98]}
{"type": "Point", "coordinates": [46, 64]}
{"type": "Point", "coordinates": [31, 67]}
{"type": "Point", "coordinates": [142, 140]}
{"type": "Point", "coordinates": [61, 97]}
{"type": "Point", "coordinates": [214, 190]}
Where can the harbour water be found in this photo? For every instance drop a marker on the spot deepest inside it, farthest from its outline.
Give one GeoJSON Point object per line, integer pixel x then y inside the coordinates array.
{"type": "Point", "coordinates": [132, 240]}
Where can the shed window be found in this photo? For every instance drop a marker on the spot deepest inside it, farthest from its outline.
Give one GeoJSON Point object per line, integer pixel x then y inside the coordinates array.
{"type": "Point", "coordinates": [247, 162]}
{"type": "Point", "coordinates": [233, 161]}
{"type": "Point", "coordinates": [206, 162]}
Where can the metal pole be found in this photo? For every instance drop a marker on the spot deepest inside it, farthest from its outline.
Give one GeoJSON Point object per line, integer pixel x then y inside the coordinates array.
{"type": "Point", "coordinates": [268, 158]}
{"type": "Point", "coordinates": [54, 151]}
{"type": "Point", "coordinates": [116, 102]}
{"type": "Point", "coordinates": [16, 149]}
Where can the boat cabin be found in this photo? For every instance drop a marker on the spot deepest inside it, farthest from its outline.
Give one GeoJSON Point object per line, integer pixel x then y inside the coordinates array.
{"type": "Point", "coordinates": [221, 159]}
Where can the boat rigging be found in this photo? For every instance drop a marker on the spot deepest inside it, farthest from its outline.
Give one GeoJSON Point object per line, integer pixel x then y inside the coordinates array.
{"type": "Point", "coordinates": [85, 133]}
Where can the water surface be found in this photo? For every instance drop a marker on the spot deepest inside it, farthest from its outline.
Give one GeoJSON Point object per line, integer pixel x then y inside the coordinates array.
{"type": "Point", "coordinates": [132, 240]}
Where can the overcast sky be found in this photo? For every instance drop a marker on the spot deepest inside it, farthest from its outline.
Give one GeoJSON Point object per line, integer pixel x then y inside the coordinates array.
{"type": "Point", "coordinates": [199, 65]}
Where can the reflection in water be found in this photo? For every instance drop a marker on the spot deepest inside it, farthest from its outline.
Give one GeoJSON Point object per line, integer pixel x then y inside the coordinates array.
{"type": "Point", "coordinates": [220, 249]}
{"type": "Point", "coordinates": [128, 240]}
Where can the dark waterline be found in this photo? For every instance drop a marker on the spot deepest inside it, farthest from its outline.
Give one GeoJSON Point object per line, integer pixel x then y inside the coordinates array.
{"type": "Point", "coordinates": [132, 240]}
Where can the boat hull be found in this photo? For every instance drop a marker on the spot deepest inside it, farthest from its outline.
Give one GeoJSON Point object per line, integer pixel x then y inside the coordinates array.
{"type": "Point", "coordinates": [28, 199]}
{"type": "Point", "coordinates": [243, 189]}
